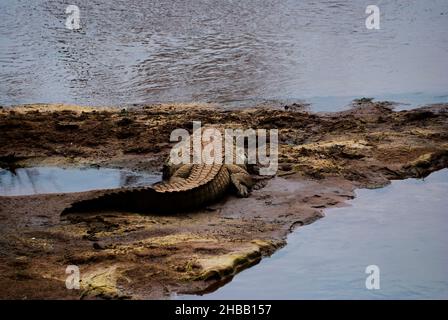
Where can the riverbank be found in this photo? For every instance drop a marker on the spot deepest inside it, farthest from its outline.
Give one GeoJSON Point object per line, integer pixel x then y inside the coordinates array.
{"type": "Point", "coordinates": [323, 158]}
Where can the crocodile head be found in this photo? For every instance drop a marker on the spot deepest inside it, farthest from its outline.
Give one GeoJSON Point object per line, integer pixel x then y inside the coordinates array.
{"type": "Point", "coordinates": [168, 169]}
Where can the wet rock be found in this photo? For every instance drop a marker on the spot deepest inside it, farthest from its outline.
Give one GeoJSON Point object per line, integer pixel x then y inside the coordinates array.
{"type": "Point", "coordinates": [97, 246]}
{"type": "Point", "coordinates": [66, 126]}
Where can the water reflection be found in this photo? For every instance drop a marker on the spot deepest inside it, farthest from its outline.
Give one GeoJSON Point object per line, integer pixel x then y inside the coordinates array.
{"type": "Point", "coordinates": [228, 51]}
{"type": "Point", "coordinates": [25, 181]}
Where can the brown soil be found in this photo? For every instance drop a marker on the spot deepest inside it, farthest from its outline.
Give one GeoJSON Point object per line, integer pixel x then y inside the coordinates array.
{"type": "Point", "coordinates": [323, 158]}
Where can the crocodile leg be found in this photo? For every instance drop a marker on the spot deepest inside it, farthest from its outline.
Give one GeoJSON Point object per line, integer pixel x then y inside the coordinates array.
{"type": "Point", "coordinates": [183, 171]}
{"type": "Point", "coordinates": [240, 179]}
{"type": "Point", "coordinates": [180, 170]}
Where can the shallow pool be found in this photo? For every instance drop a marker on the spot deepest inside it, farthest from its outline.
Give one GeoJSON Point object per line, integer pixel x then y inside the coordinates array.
{"type": "Point", "coordinates": [26, 181]}
{"type": "Point", "coordinates": [402, 229]}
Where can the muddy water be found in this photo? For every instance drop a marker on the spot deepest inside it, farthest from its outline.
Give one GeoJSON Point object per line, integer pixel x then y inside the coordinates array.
{"type": "Point", "coordinates": [26, 181]}
{"type": "Point", "coordinates": [402, 229]}
{"type": "Point", "coordinates": [222, 51]}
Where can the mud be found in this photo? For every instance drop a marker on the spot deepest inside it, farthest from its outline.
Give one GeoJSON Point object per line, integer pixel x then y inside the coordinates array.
{"type": "Point", "coordinates": [323, 158]}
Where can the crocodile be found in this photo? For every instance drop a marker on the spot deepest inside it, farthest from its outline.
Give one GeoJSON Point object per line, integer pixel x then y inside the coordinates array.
{"type": "Point", "coordinates": [185, 187]}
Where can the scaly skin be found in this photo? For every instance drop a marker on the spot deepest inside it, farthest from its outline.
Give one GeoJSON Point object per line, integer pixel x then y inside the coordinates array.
{"type": "Point", "coordinates": [185, 187]}
{"type": "Point", "coordinates": [190, 187]}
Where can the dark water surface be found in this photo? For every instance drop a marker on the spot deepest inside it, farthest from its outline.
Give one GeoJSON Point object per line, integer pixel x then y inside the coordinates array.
{"type": "Point", "coordinates": [227, 51]}
{"type": "Point", "coordinates": [402, 229]}
{"type": "Point", "coordinates": [26, 181]}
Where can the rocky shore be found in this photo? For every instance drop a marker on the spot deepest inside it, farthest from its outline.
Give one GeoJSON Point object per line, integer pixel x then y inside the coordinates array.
{"type": "Point", "coordinates": [323, 158]}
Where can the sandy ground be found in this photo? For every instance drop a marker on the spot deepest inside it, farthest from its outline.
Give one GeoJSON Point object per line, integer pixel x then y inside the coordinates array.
{"type": "Point", "coordinates": [323, 158]}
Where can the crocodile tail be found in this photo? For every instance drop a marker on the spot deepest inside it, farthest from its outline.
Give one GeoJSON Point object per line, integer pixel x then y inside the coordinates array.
{"type": "Point", "coordinates": [135, 200]}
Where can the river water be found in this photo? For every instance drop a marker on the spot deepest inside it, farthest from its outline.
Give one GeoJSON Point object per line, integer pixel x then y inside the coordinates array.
{"type": "Point", "coordinates": [37, 180]}
{"type": "Point", "coordinates": [226, 51]}
{"type": "Point", "coordinates": [402, 229]}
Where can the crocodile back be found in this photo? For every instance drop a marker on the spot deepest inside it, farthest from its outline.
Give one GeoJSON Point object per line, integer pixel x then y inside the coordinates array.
{"type": "Point", "coordinates": [200, 175]}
